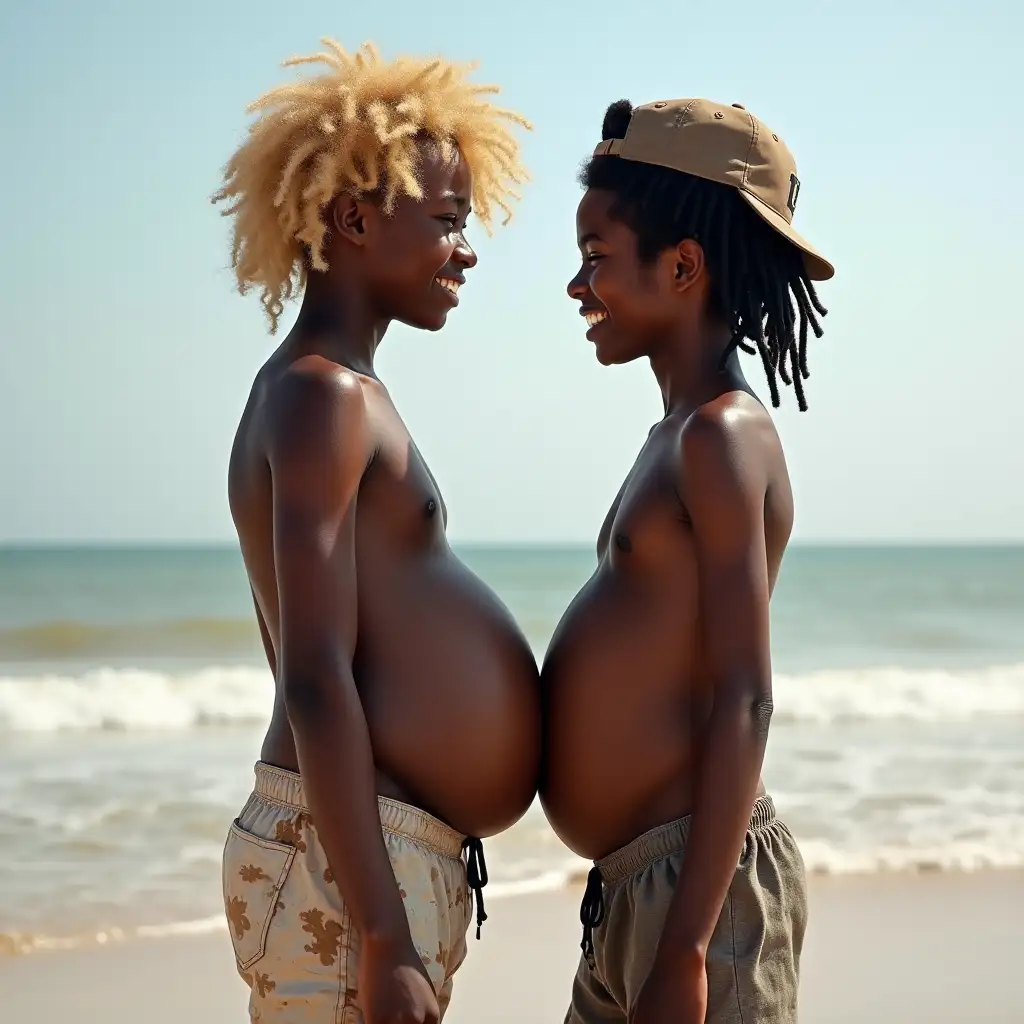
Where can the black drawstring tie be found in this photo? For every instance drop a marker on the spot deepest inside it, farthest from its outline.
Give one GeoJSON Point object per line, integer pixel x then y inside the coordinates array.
{"type": "Point", "coordinates": [476, 875]}
{"type": "Point", "coordinates": [591, 912]}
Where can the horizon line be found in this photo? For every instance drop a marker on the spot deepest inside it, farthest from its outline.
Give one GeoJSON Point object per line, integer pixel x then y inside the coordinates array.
{"type": "Point", "coordinates": [225, 544]}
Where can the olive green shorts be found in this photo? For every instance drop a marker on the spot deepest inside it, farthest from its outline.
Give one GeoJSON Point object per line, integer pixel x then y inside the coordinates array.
{"type": "Point", "coordinates": [753, 961]}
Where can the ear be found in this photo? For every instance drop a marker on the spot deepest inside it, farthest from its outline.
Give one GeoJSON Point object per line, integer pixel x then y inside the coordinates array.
{"type": "Point", "coordinates": [348, 219]}
{"type": "Point", "coordinates": [688, 266]}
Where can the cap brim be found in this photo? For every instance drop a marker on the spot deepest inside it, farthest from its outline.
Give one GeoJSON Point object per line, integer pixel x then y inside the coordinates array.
{"type": "Point", "coordinates": [818, 268]}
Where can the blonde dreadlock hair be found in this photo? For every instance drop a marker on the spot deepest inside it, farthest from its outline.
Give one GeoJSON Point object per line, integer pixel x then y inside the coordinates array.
{"type": "Point", "coordinates": [355, 128]}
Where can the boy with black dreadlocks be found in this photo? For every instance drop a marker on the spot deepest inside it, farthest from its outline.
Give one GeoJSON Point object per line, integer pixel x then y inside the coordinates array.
{"type": "Point", "coordinates": [406, 721]}
{"type": "Point", "coordinates": [657, 682]}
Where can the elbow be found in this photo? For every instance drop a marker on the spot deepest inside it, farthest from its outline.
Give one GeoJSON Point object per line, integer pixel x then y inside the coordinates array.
{"type": "Point", "coordinates": [311, 689]}
{"type": "Point", "coordinates": [302, 693]}
{"type": "Point", "coordinates": [751, 702]}
{"type": "Point", "coordinates": [760, 708]}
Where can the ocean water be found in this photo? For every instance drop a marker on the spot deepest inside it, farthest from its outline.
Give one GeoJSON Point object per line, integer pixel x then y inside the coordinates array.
{"type": "Point", "coordinates": [133, 698]}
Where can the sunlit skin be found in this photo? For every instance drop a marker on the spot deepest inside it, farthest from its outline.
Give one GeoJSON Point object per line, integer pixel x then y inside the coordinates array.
{"type": "Point", "coordinates": [398, 672]}
{"type": "Point", "coordinates": [657, 680]}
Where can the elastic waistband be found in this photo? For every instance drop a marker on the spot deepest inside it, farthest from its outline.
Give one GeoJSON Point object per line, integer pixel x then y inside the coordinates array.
{"type": "Point", "coordinates": [665, 840]}
{"type": "Point", "coordinates": [284, 787]}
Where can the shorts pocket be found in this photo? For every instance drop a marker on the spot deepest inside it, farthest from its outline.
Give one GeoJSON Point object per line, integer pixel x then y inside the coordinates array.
{"type": "Point", "coordinates": [254, 873]}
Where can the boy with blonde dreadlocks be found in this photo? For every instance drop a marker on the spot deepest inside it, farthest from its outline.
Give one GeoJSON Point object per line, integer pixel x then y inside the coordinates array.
{"type": "Point", "coordinates": [657, 681]}
{"type": "Point", "coordinates": [406, 719]}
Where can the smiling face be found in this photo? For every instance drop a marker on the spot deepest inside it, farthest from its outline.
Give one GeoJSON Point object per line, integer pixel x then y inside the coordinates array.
{"type": "Point", "coordinates": [415, 258]}
{"type": "Point", "coordinates": [628, 304]}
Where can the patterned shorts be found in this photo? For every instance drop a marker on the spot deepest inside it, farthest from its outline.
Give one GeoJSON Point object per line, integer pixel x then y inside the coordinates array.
{"type": "Point", "coordinates": [294, 942]}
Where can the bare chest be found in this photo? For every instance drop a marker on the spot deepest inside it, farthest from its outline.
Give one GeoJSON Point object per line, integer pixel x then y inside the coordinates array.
{"type": "Point", "coordinates": [647, 522]}
{"type": "Point", "coordinates": [399, 499]}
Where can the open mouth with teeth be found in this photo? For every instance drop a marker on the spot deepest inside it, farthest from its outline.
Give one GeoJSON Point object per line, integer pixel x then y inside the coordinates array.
{"type": "Point", "coordinates": [595, 317]}
{"type": "Point", "coordinates": [449, 285]}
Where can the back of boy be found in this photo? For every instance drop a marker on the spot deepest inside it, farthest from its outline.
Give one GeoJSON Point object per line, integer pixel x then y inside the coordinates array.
{"type": "Point", "coordinates": [657, 682]}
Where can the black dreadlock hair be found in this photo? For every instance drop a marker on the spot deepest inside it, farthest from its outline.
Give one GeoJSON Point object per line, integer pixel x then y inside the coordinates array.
{"type": "Point", "coordinates": [756, 274]}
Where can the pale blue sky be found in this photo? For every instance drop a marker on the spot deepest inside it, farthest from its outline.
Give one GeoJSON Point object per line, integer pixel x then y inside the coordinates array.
{"type": "Point", "coordinates": [125, 355]}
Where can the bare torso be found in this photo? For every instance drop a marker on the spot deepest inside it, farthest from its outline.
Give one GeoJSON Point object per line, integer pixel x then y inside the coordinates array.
{"type": "Point", "coordinates": [625, 684]}
{"type": "Point", "coordinates": [447, 680]}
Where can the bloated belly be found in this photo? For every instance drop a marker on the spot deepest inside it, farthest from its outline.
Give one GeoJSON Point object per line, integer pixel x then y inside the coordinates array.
{"type": "Point", "coordinates": [620, 715]}
{"type": "Point", "coordinates": [450, 689]}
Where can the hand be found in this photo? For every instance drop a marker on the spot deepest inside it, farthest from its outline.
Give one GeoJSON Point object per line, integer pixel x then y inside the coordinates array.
{"type": "Point", "coordinates": [675, 992]}
{"type": "Point", "coordinates": [393, 985]}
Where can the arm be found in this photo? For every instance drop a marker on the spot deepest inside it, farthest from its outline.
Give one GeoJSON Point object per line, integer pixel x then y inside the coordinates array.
{"type": "Point", "coordinates": [724, 494]}
{"type": "Point", "coordinates": [318, 450]}
{"type": "Point", "coordinates": [268, 645]}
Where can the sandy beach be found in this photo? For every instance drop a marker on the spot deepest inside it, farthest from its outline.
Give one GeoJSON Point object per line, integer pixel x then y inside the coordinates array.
{"type": "Point", "coordinates": [889, 949]}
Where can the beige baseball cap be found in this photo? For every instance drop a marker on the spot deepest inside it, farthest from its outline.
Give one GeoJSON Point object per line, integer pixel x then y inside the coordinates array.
{"type": "Point", "coordinates": [725, 144]}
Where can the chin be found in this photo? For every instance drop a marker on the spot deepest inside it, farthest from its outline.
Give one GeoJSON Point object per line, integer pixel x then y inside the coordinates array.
{"type": "Point", "coordinates": [610, 357]}
{"type": "Point", "coordinates": [423, 323]}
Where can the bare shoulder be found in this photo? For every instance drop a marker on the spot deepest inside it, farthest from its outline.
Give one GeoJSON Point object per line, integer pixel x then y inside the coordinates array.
{"type": "Point", "coordinates": [731, 437]}
{"type": "Point", "coordinates": [314, 407]}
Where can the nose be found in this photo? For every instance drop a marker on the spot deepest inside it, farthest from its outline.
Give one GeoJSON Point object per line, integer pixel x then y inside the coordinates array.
{"type": "Point", "coordinates": [465, 254]}
{"type": "Point", "coordinates": [578, 287]}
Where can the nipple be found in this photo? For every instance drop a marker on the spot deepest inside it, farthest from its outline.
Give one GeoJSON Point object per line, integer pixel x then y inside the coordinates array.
{"type": "Point", "coordinates": [623, 543]}
{"type": "Point", "coordinates": [431, 507]}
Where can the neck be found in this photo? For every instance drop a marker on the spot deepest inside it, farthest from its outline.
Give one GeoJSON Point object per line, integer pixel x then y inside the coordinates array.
{"type": "Point", "coordinates": [338, 321]}
{"type": "Point", "coordinates": [689, 369]}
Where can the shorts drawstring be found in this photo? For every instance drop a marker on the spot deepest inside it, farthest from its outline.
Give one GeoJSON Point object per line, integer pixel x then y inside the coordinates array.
{"type": "Point", "coordinates": [591, 912]}
{"type": "Point", "coordinates": [476, 875]}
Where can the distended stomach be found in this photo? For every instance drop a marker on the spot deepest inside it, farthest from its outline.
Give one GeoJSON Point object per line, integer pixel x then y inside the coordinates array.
{"type": "Point", "coordinates": [450, 690]}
